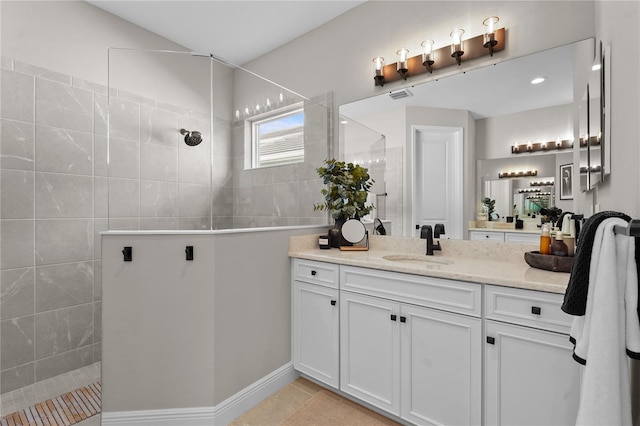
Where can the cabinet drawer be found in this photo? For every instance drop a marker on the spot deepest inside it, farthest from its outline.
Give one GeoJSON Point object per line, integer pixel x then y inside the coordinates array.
{"type": "Point", "coordinates": [486, 236]}
{"type": "Point", "coordinates": [514, 237]}
{"type": "Point", "coordinates": [527, 307]}
{"type": "Point", "coordinates": [314, 272]}
{"type": "Point", "coordinates": [448, 295]}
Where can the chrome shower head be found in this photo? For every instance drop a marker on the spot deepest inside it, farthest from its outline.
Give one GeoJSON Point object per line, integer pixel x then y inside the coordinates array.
{"type": "Point", "coordinates": [192, 138]}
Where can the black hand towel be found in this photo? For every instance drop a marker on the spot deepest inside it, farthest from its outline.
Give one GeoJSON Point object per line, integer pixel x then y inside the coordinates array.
{"type": "Point", "coordinates": [575, 298]}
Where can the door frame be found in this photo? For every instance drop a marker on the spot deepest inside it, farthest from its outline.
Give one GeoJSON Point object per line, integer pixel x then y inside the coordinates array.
{"type": "Point", "coordinates": [457, 161]}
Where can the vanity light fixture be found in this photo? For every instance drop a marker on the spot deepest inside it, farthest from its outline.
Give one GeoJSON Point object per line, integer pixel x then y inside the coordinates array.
{"type": "Point", "coordinates": [592, 169]}
{"type": "Point", "coordinates": [457, 46]}
{"type": "Point", "coordinates": [432, 58]}
{"type": "Point", "coordinates": [538, 196]}
{"type": "Point", "coordinates": [427, 55]}
{"type": "Point", "coordinates": [589, 140]}
{"type": "Point", "coordinates": [403, 61]}
{"type": "Point", "coordinates": [530, 147]}
{"type": "Point", "coordinates": [528, 190]}
{"type": "Point", "coordinates": [490, 35]}
{"type": "Point", "coordinates": [542, 183]}
{"type": "Point", "coordinates": [378, 66]}
{"type": "Point", "coordinates": [521, 173]}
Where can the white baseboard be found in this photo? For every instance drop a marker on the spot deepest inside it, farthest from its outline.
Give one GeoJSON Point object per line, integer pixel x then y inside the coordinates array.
{"type": "Point", "coordinates": [238, 404]}
{"type": "Point", "coordinates": [200, 416]}
{"type": "Point", "coordinates": [222, 414]}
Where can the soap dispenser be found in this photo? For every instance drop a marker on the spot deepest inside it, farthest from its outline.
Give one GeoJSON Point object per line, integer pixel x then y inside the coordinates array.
{"type": "Point", "coordinates": [545, 240]}
{"type": "Point", "coordinates": [558, 247]}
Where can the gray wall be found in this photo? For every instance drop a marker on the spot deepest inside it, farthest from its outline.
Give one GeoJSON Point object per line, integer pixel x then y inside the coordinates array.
{"type": "Point", "coordinates": [231, 322]}
{"type": "Point", "coordinates": [618, 25]}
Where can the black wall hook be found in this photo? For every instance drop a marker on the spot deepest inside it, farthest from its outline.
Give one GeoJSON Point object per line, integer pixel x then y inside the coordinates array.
{"type": "Point", "coordinates": [127, 253]}
{"type": "Point", "coordinates": [189, 252]}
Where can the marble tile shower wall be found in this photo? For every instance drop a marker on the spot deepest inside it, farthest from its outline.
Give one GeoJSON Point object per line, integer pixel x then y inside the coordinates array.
{"type": "Point", "coordinates": [284, 195]}
{"type": "Point", "coordinates": [54, 201]}
{"type": "Point", "coordinates": [49, 274]}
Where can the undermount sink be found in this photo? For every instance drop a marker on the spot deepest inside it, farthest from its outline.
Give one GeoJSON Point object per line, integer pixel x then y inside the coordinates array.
{"type": "Point", "coordinates": [416, 259]}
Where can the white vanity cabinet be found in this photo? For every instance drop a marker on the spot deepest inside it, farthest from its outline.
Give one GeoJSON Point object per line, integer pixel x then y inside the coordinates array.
{"type": "Point", "coordinates": [435, 351]}
{"type": "Point", "coordinates": [504, 236]}
{"type": "Point", "coordinates": [315, 320]}
{"type": "Point", "coordinates": [494, 236]}
{"type": "Point", "coordinates": [522, 237]}
{"type": "Point", "coordinates": [530, 376]}
{"type": "Point", "coordinates": [403, 356]}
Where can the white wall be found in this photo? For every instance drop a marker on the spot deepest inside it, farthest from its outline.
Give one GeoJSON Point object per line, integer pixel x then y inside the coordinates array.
{"type": "Point", "coordinates": [71, 37]}
{"type": "Point", "coordinates": [618, 25]}
{"type": "Point", "coordinates": [496, 135]}
{"type": "Point", "coordinates": [337, 56]}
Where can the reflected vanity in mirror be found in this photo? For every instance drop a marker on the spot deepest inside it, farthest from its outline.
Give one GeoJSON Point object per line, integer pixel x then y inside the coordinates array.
{"type": "Point", "coordinates": [507, 125]}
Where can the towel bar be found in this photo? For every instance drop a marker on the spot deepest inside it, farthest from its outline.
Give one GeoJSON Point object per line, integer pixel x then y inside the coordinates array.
{"type": "Point", "coordinates": [632, 229]}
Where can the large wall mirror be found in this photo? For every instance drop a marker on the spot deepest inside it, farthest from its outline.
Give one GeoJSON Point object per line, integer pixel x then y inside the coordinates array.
{"type": "Point", "coordinates": [496, 108]}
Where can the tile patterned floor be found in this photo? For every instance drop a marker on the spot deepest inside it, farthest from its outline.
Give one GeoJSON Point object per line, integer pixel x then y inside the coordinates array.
{"type": "Point", "coordinates": [30, 395]}
{"type": "Point", "coordinates": [275, 409]}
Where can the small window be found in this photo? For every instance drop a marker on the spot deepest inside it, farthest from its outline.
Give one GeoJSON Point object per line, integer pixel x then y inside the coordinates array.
{"type": "Point", "coordinates": [277, 138]}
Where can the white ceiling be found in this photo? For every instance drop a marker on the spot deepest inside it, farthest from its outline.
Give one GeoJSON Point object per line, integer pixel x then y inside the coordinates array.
{"type": "Point", "coordinates": [236, 31]}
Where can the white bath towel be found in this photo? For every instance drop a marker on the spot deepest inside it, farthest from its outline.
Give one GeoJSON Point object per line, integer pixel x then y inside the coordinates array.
{"type": "Point", "coordinates": [608, 329]}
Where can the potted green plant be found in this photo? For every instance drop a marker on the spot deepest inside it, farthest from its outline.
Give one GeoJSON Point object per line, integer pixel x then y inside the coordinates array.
{"type": "Point", "coordinates": [490, 205]}
{"type": "Point", "coordinates": [345, 196]}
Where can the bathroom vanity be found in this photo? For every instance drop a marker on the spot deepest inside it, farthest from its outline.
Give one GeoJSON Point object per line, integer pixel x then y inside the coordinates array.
{"type": "Point", "coordinates": [471, 335]}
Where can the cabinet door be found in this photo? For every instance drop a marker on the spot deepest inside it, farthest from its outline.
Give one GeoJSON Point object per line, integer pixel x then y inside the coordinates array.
{"type": "Point", "coordinates": [441, 369]}
{"type": "Point", "coordinates": [530, 377]}
{"type": "Point", "coordinates": [315, 332]}
{"type": "Point", "coordinates": [370, 350]}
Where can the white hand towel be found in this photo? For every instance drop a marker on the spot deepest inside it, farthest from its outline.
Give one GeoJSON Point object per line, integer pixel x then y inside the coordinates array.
{"type": "Point", "coordinates": [607, 329]}
{"type": "Point", "coordinates": [566, 225]}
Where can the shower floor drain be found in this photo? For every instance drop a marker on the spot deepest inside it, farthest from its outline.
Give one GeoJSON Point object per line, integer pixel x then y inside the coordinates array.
{"type": "Point", "coordinates": [67, 409]}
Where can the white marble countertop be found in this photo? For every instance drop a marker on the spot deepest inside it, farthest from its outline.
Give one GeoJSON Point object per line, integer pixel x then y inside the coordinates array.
{"type": "Point", "coordinates": [473, 261]}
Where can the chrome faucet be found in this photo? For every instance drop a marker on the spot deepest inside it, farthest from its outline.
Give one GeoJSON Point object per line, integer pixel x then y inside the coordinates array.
{"type": "Point", "coordinates": [426, 232]}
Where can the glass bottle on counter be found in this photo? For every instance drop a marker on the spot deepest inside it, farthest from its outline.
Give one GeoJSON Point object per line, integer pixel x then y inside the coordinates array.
{"type": "Point", "coordinates": [559, 247]}
{"type": "Point", "coordinates": [545, 240]}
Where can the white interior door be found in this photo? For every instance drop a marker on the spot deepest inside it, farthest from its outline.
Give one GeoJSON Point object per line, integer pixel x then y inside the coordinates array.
{"type": "Point", "coordinates": [437, 178]}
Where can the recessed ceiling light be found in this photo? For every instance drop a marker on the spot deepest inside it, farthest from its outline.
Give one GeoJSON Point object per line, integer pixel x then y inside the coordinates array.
{"type": "Point", "coordinates": [344, 122]}
{"type": "Point", "coordinates": [596, 67]}
{"type": "Point", "coordinates": [538, 80]}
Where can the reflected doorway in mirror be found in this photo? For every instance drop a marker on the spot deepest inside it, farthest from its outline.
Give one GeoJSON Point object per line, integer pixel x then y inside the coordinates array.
{"type": "Point", "coordinates": [566, 182]}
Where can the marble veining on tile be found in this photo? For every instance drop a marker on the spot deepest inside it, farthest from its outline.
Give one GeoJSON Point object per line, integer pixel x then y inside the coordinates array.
{"type": "Point", "coordinates": [63, 106]}
{"type": "Point", "coordinates": [17, 293]}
